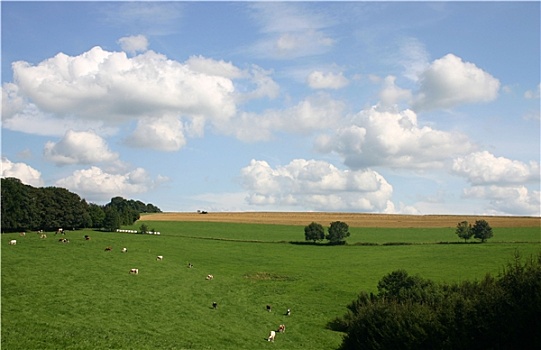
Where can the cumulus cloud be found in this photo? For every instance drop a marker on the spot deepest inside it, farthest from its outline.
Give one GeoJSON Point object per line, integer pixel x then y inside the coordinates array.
{"type": "Point", "coordinates": [393, 139]}
{"type": "Point", "coordinates": [79, 147]}
{"type": "Point", "coordinates": [318, 112]}
{"type": "Point", "coordinates": [391, 94]}
{"type": "Point", "coordinates": [111, 88]}
{"type": "Point", "coordinates": [330, 80]}
{"type": "Point", "coordinates": [95, 184]}
{"type": "Point", "coordinates": [21, 171]}
{"type": "Point", "coordinates": [163, 134]}
{"type": "Point", "coordinates": [514, 200]}
{"type": "Point", "coordinates": [484, 168]}
{"type": "Point", "coordinates": [133, 44]}
{"type": "Point", "coordinates": [449, 82]}
{"type": "Point", "coordinates": [316, 185]}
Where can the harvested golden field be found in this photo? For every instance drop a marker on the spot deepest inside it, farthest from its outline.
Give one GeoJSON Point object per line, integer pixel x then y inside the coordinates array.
{"type": "Point", "coordinates": [352, 219]}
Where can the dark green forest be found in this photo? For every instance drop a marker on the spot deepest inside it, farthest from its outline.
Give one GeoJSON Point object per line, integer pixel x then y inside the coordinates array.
{"type": "Point", "coordinates": [27, 208]}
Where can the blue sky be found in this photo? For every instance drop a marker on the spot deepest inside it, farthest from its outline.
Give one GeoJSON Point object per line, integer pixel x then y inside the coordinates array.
{"type": "Point", "coordinates": [382, 107]}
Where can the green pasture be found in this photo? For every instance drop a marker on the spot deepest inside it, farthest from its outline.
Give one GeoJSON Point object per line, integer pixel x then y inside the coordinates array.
{"type": "Point", "coordinates": [78, 296]}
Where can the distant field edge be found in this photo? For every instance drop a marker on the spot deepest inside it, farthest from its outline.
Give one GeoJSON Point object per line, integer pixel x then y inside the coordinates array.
{"type": "Point", "coordinates": [352, 219]}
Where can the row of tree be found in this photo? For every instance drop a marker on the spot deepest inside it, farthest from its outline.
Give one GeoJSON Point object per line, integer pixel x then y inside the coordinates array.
{"type": "Point", "coordinates": [25, 208]}
{"type": "Point", "coordinates": [337, 232]}
{"type": "Point", "coordinates": [410, 312]}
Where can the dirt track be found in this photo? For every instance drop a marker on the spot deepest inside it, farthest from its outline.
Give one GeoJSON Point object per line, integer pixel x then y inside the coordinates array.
{"type": "Point", "coordinates": [352, 219]}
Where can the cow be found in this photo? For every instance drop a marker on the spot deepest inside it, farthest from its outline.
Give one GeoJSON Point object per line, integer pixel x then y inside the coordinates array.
{"type": "Point", "coordinates": [87, 238]}
{"type": "Point", "coordinates": [22, 234]}
{"type": "Point", "coordinates": [215, 305]}
{"type": "Point", "coordinates": [288, 312]}
{"type": "Point", "coordinates": [190, 265]}
{"type": "Point", "coordinates": [43, 235]}
{"type": "Point", "coordinates": [13, 242]}
{"type": "Point", "coordinates": [64, 240]}
{"type": "Point", "coordinates": [269, 308]}
{"type": "Point", "coordinates": [159, 258]}
{"type": "Point", "coordinates": [108, 249]}
{"type": "Point", "coordinates": [209, 277]}
{"type": "Point", "coordinates": [134, 271]}
{"type": "Point", "coordinates": [271, 336]}
{"type": "Point", "coordinates": [124, 250]}
{"type": "Point", "coordinates": [282, 328]}
{"type": "Point", "coordinates": [60, 230]}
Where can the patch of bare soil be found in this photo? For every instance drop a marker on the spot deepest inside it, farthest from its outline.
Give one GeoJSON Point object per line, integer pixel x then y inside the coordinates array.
{"type": "Point", "coordinates": [352, 219]}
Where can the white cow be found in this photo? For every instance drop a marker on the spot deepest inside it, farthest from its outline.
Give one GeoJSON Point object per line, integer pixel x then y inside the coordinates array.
{"type": "Point", "coordinates": [271, 336]}
{"type": "Point", "coordinates": [209, 277]}
{"type": "Point", "coordinates": [159, 257]}
{"type": "Point", "coordinates": [13, 242]}
{"type": "Point", "coordinates": [134, 271]}
{"type": "Point", "coordinates": [124, 250]}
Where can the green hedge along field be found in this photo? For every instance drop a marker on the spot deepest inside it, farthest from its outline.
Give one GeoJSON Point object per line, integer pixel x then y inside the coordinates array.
{"type": "Point", "coordinates": [78, 296]}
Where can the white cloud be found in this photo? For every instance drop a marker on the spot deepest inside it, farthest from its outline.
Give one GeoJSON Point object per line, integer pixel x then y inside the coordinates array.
{"type": "Point", "coordinates": [21, 171]}
{"type": "Point", "coordinates": [533, 94]}
{"type": "Point", "coordinates": [330, 80]}
{"type": "Point", "coordinates": [314, 113]}
{"type": "Point", "coordinates": [391, 94]}
{"type": "Point", "coordinates": [110, 88]}
{"type": "Point", "coordinates": [484, 168]}
{"type": "Point", "coordinates": [162, 134]}
{"type": "Point", "coordinates": [413, 57]}
{"type": "Point", "coordinates": [96, 185]}
{"type": "Point", "coordinates": [393, 139]}
{"type": "Point", "coordinates": [316, 185]}
{"type": "Point", "coordinates": [291, 30]}
{"type": "Point", "coordinates": [210, 66]}
{"type": "Point", "coordinates": [133, 44]}
{"type": "Point", "coordinates": [514, 200]}
{"type": "Point", "coordinates": [449, 82]}
{"type": "Point", "coordinates": [79, 147]}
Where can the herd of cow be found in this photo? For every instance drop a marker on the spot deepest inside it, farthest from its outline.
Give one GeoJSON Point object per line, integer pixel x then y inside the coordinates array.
{"type": "Point", "coordinates": [135, 271]}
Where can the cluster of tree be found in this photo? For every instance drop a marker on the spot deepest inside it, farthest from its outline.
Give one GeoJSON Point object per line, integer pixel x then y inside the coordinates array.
{"type": "Point", "coordinates": [337, 232]}
{"type": "Point", "coordinates": [480, 230]}
{"type": "Point", "coordinates": [410, 312]}
{"type": "Point", "coordinates": [48, 208]}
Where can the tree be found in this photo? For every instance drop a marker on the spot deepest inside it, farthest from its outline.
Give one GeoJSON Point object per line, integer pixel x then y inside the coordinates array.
{"type": "Point", "coordinates": [143, 229]}
{"type": "Point", "coordinates": [314, 232]}
{"type": "Point", "coordinates": [111, 222]}
{"type": "Point", "coordinates": [482, 230]}
{"type": "Point", "coordinates": [338, 232]}
{"type": "Point", "coordinates": [464, 230]}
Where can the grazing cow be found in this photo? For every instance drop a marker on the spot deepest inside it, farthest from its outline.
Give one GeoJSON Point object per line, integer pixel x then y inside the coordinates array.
{"type": "Point", "coordinates": [271, 336]}
{"type": "Point", "coordinates": [159, 258]}
{"type": "Point", "coordinates": [60, 230]}
{"type": "Point", "coordinates": [269, 308]}
{"type": "Point", "coordinates": [64, 240]}
{"type": "Point", "coordinates": [288, 312]}
{"type": "Point", "coordinates": [43, 235]}
{"type": "Point", "coordinates": [124, 250]}
{"type": "Point", "coordinates": [282, 328]}
{"type": "Point", "coordinates": [108, 249]}
{"type": "Point", "coordinates": [134, 271]}
{"type": "Point", "coordinates": [209, 277]}
{"type": "Point", "coordinates": [87, 237]}
{"type": "Point", "coordinates": [22, 234]}
{"type": "Point", "coordinates": [13, 242]}
{"type": "Point", "coordinates": [215, 305]}
{"type": "Point", "coordinates": [190, 265]}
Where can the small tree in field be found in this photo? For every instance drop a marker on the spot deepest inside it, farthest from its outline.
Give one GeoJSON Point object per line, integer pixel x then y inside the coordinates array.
{"type": "Point", "coordinates": [314, 232]}
{"type": "Point", "coordinates": [464, 230]}
{"type": "Point", "coordinates": [338, 232]}
{"type": "Point", "coordinates": [143, 229]}
{"type": "Point", "coordinates": [482, 230]}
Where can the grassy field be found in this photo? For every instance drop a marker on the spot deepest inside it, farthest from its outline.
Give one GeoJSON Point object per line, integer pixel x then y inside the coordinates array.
{"type": "Point", "coordinates": [78, 296]}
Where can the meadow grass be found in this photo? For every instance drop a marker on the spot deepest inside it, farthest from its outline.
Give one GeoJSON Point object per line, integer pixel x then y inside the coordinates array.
{"type": "Point", "coordinates": [78, 296]}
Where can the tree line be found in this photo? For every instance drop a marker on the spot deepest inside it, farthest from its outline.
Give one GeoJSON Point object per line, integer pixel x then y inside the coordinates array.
{"type": "Point", "coordinates": [411, 312]}
{"type": "Point", "coordinates": [26, 208]}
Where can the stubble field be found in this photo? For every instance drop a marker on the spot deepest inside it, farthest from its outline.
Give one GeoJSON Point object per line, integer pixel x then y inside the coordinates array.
{"type": "Point", "coordinates": [352, 219]}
